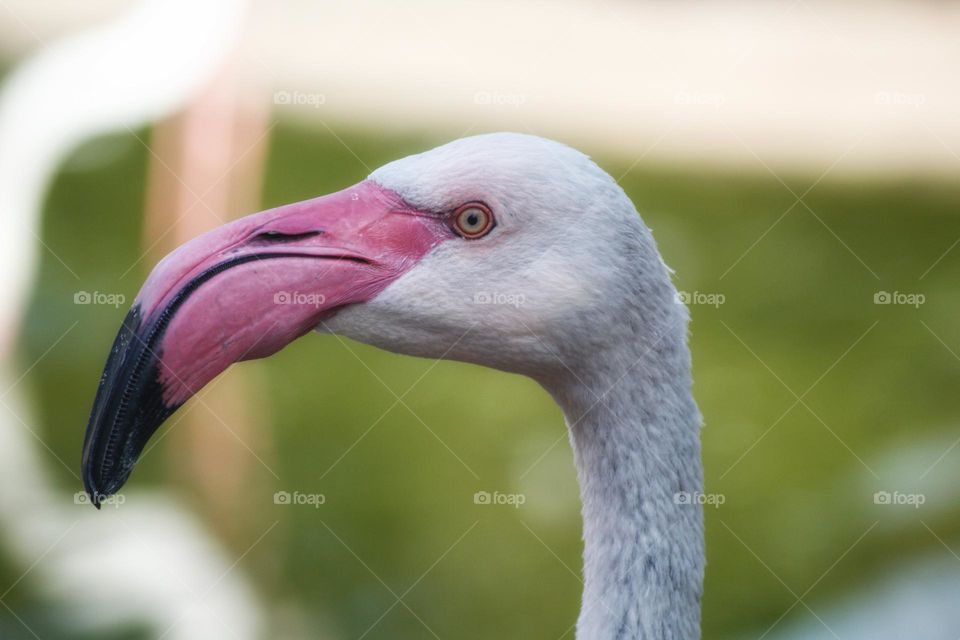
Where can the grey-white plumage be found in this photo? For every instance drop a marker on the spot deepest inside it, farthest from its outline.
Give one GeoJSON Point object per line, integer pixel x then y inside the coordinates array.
{"type": "Point", "coordinates": [600, 328]}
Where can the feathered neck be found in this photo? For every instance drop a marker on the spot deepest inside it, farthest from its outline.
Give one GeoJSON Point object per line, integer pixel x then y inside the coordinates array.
{"type": "Point", "coordinates": [635, 429]}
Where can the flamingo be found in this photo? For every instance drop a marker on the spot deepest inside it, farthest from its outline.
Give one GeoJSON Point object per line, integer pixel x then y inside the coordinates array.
{"type": "Point", "coordinates": [403, 260]}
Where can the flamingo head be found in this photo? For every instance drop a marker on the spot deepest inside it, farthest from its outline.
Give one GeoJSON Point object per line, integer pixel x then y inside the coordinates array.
{"type": "Point", "coordinates": [505, 250]}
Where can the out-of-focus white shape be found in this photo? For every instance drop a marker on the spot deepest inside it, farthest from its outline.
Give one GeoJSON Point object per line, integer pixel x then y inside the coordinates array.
{"type": "Point", "coordinates": [913, 597]}
{"type": "Point", "coordinates": [917, 599]}
{"type": "Point", "coordinates": [800, 84]}
{"type": "Point", "coordinates": [148, 561]}
{"type": "Point", "coordinates": [923, 466]}
{"type": "Point", "coordinates": [133, 70]}
{"type": "Point", "coordinates": [26, 22]}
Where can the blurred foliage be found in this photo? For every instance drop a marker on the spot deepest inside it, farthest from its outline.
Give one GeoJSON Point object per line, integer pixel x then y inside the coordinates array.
{"type": "Point", "coordinates": [399, 477]}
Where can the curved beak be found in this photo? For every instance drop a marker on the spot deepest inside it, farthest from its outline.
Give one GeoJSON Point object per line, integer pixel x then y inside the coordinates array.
{"type": "Point", "coordinates": [239, 292]}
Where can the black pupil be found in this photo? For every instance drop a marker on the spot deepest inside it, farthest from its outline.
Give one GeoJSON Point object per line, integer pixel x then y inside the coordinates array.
{"type": "Point", "coordinates": [473, 219]}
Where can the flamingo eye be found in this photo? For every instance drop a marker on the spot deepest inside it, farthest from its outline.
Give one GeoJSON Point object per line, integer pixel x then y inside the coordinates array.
{"type": "Point", "coordinates": [473, 220]}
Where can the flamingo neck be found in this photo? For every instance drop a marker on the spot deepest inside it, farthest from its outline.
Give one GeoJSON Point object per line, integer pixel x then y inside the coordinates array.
{"type": "Point", "coordinates": [635, 433]}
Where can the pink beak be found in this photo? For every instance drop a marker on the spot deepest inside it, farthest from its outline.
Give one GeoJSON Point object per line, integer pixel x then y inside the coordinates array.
{"type": "Point", "coordinates": [239, 292]}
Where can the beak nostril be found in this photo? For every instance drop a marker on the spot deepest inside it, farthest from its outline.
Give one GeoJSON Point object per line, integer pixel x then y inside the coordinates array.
{"type": "Point", "coordinates": [278, 236]}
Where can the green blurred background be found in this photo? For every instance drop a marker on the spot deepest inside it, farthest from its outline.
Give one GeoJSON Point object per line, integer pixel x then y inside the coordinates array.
{"type": "Point", "coordinates": [799, 498]}
{"type": "Point", "coordinates": [814, 399]}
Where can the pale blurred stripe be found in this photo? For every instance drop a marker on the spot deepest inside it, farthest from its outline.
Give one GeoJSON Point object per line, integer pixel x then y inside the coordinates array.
{"type": "Point", "coordinates": [793, 83]}
{"type": "Point", "coordinates": [206, 169]}
{"type": "Point", "coordinates": [149, 561]}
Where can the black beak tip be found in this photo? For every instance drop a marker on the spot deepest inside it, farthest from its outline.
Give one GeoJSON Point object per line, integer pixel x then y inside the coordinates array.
{"type": "Point", "coordinates": [90, 486]}
{"type": "Point", "coordinates": [99, 488]}
{"type": "Point", "coordinates": [127, 410]}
